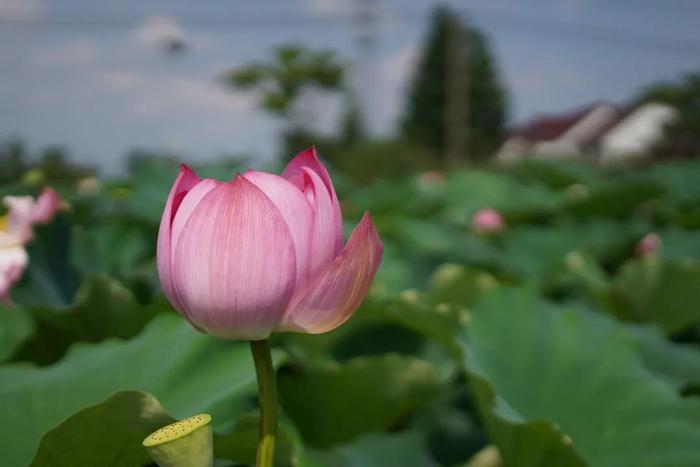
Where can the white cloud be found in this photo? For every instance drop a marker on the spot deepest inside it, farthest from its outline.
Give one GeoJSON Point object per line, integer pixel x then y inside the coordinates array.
{"type": "Point", "coordinates": [161, 29]}
{"type": "Point", "coordinates": [156, 29]}
{"type": "Point", "coordinates": [158, 93]}
{"type": "Point", "coordinates": [326, 7]}
{"type": "Point", "coordinates": [74, 53]}
{"type": "Point", "coordinates": [22, 9]}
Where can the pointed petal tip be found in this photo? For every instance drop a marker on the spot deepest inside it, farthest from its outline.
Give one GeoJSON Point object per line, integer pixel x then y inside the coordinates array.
{"type": "Point", "coordinates": [186, 178]}
{"type": "Point", "coordinates": [367, 223]}
{"type": "Point", "coordinates": [240, 179]}
{"type": "Point", "coordinates": [341, 287]}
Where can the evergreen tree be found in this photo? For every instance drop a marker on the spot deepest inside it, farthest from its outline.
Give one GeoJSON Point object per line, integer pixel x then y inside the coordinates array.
{"type": "Point", "coordinates": [425, 121]}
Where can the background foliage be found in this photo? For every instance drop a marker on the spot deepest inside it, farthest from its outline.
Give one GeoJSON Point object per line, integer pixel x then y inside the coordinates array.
{"type": "Point", "coordinates": [549, 344]}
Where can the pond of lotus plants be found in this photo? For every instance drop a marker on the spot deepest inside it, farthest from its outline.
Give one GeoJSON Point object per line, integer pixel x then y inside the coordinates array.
{"type": "Point", "coordinates": [543, 315]}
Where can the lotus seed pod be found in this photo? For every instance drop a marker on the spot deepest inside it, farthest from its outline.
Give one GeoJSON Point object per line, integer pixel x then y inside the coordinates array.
{"type": "Point", "coordinates": [187, 443]}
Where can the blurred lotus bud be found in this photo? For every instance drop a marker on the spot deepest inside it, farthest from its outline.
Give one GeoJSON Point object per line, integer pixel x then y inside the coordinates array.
{"type": "Point", "coordinates": [488, 221]}
{"type": "Point", "coordinates": [431, 178]}
{"type": "Point", "coordinates": [575, 261]}
{"type": "Point", "coordinates": [649, 244]}
{"type": "Point", "coordinates": [485, 281]}
{"type": "Point", "coordinates": [187, 443]}
{"type": "Point", "coordinates": [487, 457]}
{"type": "Point", "coordinates": [577, 192]}
{"type": "Point", "coordinates": [88, 186]}
{"type": "Point", "coordinates": [410, 296]}
{"type": "Point", "coordinates": [120, 193]}
{"type": "Point", "coordinates": [33, 177]}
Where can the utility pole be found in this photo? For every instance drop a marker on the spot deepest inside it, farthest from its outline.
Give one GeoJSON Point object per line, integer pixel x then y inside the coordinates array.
{"type": "Point", "coordinates": [456, 93]}
{"type": "Point", "coordinates": [367, 18]}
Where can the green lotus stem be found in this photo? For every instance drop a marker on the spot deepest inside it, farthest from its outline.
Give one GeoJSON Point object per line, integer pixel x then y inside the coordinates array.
{"type": "Point", "coordinates": [267, 394]}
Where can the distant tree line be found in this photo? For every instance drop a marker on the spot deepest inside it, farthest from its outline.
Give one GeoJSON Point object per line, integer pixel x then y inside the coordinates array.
{"type": "Point", "coordinates": [49, 164]}
{"type": "Point", "coordinates": [452, 47]}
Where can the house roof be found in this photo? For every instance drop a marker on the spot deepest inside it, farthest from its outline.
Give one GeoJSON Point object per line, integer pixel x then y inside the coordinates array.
{"type": "Point", "coordinates": [548, 127]}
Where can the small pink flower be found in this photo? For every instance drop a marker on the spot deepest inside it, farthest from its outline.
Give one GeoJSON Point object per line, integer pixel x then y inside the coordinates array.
{"type": "Point", "coordinates": [649, 244]}
{"type": "Point", "coordinates": [23, 212]}
{"type": "Point", "coordinates": [46, 206]}
{"type": "Point", "coordinates": [16, 229]}
{"type": "Point", "coordinates": [488, 221]}
{"type": "Point", "coordinates": [263, 253]}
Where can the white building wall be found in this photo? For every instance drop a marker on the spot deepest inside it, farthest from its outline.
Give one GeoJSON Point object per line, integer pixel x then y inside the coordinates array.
{"type": "Point", "coordinates": [636, 134]}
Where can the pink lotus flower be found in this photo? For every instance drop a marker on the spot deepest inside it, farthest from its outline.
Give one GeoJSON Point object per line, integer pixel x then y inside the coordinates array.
{"type": "Point", "coordinates": [488, 221]}
{"type": "Point", "coordinates": [16, 230]}
{"type": "Point", "coordinates": [649, 244]}
{"type": "Point", "coordinates": [263, 253]}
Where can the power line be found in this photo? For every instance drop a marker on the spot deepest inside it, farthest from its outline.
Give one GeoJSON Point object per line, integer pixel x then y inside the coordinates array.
{"type": "Point", "coordinates": [518, 20]}
{"type": "Point", "coordinates": [540, 24]}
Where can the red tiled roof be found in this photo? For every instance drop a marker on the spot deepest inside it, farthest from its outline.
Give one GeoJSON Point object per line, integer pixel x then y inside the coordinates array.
{"type": "Point", "coordinates": [549, 127]}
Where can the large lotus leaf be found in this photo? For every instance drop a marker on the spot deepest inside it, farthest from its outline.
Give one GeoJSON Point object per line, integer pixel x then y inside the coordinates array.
{"type": "Point", "coordinates": [454, 283]}
{"type": "Point", "coordinates": [563, 386]}
{"type": "Point", "coordinates": [557, 174]}
{"type": "Point", "coordinates": [50, 278]}
{"type": "Point", "coordinates": [103, 308]}
{"type": "Point", "coordinates": [533, 251]}
{"type": "Point", "coordinates": [408, 449]}
{"type": "Point", "coordinates": [335, 403]}
{"type": "Point", "coordinates": [676, 364]}
{"type": "Point", "coordinates": [111, 432]}
{"type": "Point", "coordinates": [470, 190]}
{"type": "Point", "coordinates": [407, 326]}
{"type": "Point", "coordinates": [680, 180]}
{"type": "Point", "coordinates": [618, 198]}
{"type": "Point", "coordinates": [15, 328]}
{"type": "Point", "coordinates": [115, 246]}
{"type": "Point", "coordinates": [681, 245]}
{"type": "Point", "coordinates": [663, 292]}
{"type": "Point", "coordinates": [187, 371]}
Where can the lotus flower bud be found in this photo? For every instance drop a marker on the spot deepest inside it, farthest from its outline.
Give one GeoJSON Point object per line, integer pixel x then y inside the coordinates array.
{"type": "Point", "coordinates": [263, 253]}
{"type": "Point", "coordinates": [187, 443]}
{"type": "Point", "coordinates": [649, 244]}
{"type": "Point", "coordinates": [488, 221]}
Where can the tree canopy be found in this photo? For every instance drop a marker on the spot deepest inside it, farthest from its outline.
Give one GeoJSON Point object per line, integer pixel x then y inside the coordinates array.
{"type": "Point", "coordinates": [424, 122]}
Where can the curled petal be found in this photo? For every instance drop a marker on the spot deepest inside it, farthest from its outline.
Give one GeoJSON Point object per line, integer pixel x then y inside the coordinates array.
{"type": "Point", "coordinates": [308, 159]}
{"type": "Point", "coordinates": [46, 206]}
{"type": "Point", "coordinates": [184, 182]}
{"type": "Point", "coordinates": [327, 229]}
{"type": "Point", "coordinates": [13, 261]}
{"type": "Point", "coordinates": [297, 213]}
{"type": "Point", "coordinates": [234, 266]}
{"type": "Point", "coordinates": [295, 173]}
{"type": "Point", "coordinates": [338, 291]}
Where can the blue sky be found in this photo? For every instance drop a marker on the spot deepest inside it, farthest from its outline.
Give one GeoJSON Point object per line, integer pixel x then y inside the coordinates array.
{"type": "Point", "coordinates": [93, 77]}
